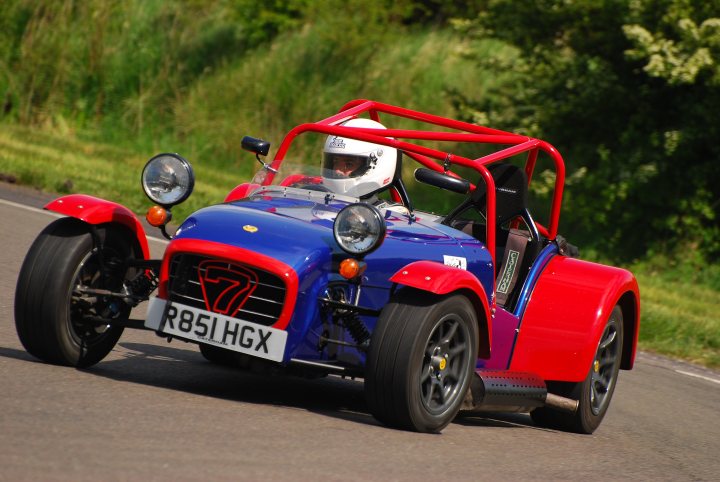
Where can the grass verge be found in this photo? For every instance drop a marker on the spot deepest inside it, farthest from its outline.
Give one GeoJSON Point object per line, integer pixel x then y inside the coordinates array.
{"type": "Point", "coordinates": [64, 164]}
{"type": "Point", "coordinates": [679, 319]}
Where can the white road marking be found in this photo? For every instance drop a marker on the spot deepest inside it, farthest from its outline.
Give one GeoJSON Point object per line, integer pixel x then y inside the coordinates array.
{"type": "Point", "coordinates": [714, 380]}
{"type": "Point", "coordinates": [58, 215]}
{"type": "Point", "coordinates": [29, 208]}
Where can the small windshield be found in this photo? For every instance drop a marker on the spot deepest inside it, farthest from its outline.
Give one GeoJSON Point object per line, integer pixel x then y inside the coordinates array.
{"type": "Point", "coordinates": [292, 174]}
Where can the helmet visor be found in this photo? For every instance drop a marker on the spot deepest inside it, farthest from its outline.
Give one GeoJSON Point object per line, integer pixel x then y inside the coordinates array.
{"type": "Point", "coordinates": [344, 166]}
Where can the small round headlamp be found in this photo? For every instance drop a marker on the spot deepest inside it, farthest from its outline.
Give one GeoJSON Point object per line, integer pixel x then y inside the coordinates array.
{"type": "Point", "coordinates": [359, 228]}
{"type": "Point", "coordinates": [168, 179]}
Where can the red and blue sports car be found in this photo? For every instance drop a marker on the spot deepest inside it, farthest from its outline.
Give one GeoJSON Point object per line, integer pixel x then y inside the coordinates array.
{"type": "Point", "coordinates": [328, 268]}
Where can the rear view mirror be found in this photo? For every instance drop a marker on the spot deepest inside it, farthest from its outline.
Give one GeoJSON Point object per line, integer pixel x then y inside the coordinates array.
{"type": "Point", "coordinates": [443, 181]}
{"type": "Point", "coordinates": [258, 146]}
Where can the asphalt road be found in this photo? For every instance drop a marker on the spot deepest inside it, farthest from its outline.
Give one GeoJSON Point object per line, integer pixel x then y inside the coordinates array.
{"type": "Point", "coordinates": [158, 411]}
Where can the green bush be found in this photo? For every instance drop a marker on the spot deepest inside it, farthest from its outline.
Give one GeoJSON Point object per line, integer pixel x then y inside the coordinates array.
{"type": "Point", "coordinates": [629, 93]}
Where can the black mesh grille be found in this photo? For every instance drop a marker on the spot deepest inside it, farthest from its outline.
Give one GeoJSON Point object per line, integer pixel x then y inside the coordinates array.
{"type": "Point", "coordinates": [230, 281]}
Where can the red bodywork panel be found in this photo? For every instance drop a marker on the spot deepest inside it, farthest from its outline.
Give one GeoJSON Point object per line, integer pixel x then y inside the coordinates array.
{"type": "Point", "coordinates": [441, 279]}
{"type": "Point", "coordinates": [241, 191]}
{"type": "Point", "coordinates": [238, 255]}
{"type": "Point", "coordinates": [566, 316]}
{"type": "Point", "coordinates": [95, 211]}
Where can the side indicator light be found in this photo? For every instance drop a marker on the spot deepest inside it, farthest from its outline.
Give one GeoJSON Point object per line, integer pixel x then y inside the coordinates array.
{"type": "Point", "coordinates": [351, 268]}
{"type": "Point", "coordinates": [158, 216]}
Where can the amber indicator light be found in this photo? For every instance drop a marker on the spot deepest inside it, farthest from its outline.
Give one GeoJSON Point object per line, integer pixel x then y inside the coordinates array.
{"type": "Point", "coordinates": [350, 268]}
{"type": "Point", "coordinates": [157, 216]}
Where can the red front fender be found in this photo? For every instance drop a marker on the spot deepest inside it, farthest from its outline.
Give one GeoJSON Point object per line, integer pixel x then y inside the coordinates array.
{"type": "Point", "coordinates": [95, 211]}
{"type": "Point", "coordinates": [440, 279]}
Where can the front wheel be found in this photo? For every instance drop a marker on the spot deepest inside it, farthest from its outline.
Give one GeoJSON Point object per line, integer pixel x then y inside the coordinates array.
{"type": "Point", "coordinates": [422, 356]}
{"type": "Point", "coordinates": [595, 392]}
{"type": "Point", "coordinates": [53, 310]}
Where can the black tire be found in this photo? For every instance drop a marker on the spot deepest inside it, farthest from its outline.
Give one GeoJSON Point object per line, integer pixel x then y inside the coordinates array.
{"type": "Point", "coordinates": [47, 311]}
{"type": "Point", "coordinates": [415, 332]}
{"type": "Point", "coordinates": [595, 392]}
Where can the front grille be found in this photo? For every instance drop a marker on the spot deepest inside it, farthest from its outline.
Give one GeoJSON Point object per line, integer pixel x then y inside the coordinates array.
{"type": "Point", "coordinates": [233, 289]}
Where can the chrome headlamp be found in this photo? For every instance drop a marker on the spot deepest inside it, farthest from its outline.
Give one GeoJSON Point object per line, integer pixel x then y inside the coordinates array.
{"type": "Point", "coordinates": [359, 229]}
{"type": "Point", "coordinates": [168, 179]}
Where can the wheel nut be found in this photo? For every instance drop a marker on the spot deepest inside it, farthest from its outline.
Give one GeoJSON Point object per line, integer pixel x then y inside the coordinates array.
{"type": "Point", "coordinates": [438, 363]}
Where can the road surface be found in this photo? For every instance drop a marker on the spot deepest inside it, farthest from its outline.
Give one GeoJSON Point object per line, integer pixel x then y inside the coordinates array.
{"type": "Point", "coordinates": [159, 411]}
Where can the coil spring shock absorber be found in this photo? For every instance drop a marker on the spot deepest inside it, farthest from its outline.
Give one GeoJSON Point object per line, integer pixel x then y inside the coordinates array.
{"type": "Point", "coordinates": [348, 318]}
{"type": "Point", "coordinates": [354, 324]}
{"type": "Point", "coordinates": [143, 284]}
{"type": "Point", "coordinates": [357, 329]}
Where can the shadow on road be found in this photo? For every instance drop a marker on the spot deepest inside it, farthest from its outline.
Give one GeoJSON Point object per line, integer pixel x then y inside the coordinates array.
{"type": "Point", "coordinates": [17, 354]}
{"type": "Point", "coordinates": [187, 371]}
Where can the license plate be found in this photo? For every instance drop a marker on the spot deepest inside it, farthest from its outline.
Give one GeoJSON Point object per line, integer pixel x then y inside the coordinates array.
{"type": "Point", "coordinates": [214, 329]}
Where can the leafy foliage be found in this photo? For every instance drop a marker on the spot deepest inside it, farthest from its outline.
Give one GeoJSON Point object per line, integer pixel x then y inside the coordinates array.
{"type": "Point", "coordinates": [627, 91]}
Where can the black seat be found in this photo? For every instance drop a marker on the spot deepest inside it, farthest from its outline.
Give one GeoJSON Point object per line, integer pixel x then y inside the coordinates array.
{"type": "Point", "coordinates": [515, 249]}
{"type": "Point", "coordinates": [511, 188]}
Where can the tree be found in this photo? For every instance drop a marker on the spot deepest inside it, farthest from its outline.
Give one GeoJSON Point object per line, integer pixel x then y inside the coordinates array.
{"type": "Point", "coordinates": [630, 94]}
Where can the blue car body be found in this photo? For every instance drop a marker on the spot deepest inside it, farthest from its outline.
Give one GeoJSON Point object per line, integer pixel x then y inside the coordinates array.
{"type": "Point", "coordinates": [295, 227]}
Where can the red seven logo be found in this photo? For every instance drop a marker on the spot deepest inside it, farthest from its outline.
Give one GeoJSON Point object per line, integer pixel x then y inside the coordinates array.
{"type": "Point", "coordinates": [226, 287]}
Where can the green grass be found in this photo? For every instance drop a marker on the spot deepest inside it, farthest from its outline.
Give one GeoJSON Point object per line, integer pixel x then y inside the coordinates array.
{"type": "Point", "coordinates": [416, 71]}
{"type": "Point", "coordinates": [680, 306]}
{"type": "Point", "coordinates": [679, 318]}
{"type": "Point", "coordinates": [62, 163]}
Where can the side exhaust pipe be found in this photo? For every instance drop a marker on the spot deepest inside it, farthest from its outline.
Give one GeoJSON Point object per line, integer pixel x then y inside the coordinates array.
{"type": "Point", "coordinates": [508, 391]}
{"type": "Point", "coordinates": [561, 404]}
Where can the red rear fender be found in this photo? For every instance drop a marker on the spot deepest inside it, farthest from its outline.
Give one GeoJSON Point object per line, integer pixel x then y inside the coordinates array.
{"type": "Point", "coordinates": [96, 211]}
{"type": "Point", "coordinates": [566, 316]}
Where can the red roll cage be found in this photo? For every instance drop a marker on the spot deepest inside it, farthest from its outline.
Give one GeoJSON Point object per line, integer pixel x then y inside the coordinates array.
{"type": "Point", "coordinates": [435, 159]}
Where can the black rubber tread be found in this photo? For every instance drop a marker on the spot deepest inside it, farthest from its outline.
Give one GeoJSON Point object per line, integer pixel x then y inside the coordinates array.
{"type": "Point", "coordinates": [34, 272]}
{"type": "Point", "coordinates": [583, 421]}
{"type": "Point", "coordinates": [389, 383]}
{"type": "Point", "coordinates": [42, 288]}
{"type": "Point", "coordinates": [385, 342]}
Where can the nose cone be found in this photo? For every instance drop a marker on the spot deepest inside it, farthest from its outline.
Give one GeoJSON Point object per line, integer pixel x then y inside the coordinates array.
{"type": "Point", "coordinates": [290, 235]}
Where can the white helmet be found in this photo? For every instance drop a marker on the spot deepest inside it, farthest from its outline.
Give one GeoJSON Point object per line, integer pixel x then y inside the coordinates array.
{"type": "Point", "coordinates": [357, 168]}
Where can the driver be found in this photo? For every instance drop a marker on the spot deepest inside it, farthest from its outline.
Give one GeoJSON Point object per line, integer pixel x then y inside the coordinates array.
{"type": "Point", "coordinates": [357, 168]}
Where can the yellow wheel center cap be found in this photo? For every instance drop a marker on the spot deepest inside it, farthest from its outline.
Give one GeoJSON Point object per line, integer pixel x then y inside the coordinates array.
{"type": "Point", "coordinates": [443, 364]}
{"type": "Point", "coordinates": [596, 366]}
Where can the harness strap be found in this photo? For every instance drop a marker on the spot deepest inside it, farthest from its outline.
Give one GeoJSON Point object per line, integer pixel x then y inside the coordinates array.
{"type": "Point", "coordinates": [512, 259]}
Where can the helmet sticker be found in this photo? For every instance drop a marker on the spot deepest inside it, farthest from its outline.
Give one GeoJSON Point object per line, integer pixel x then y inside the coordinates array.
{"type": "Point", "coordinates": [337, 143]}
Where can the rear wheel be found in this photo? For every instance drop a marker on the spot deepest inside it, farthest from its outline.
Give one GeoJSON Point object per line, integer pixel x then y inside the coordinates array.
{"type": "Point", "coordinates": [52, 312]}
{"type": "Point", "coordinates": [421, 359]}
{"type": "Point", "coordinates": [595, 392]}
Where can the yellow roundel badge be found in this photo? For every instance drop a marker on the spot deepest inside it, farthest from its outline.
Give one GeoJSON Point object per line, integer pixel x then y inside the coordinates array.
{"type": "Point", "coordinates": [443, 364]}
{"type": "Point", "coordinates": [250, 228]}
